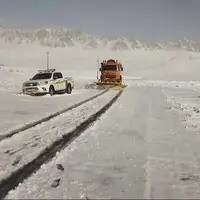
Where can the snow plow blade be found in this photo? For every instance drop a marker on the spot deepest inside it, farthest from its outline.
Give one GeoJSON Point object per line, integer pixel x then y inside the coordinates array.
{"type": "Point", "coordinates": [114, 84]}
{"type": "Point", "coordinates": [102, 86]}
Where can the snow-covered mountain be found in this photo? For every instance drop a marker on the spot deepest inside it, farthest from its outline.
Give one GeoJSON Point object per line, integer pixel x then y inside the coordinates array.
{"type": "Point", "coordinates": [62, 37]}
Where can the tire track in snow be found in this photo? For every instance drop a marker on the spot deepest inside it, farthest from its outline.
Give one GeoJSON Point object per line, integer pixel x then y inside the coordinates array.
{"type": "Point", "coordinates": [19, 175]}
{"type": "Point", "coordinates": [30, 143]}
{"type": "Point", "coordinates": [47, 118]}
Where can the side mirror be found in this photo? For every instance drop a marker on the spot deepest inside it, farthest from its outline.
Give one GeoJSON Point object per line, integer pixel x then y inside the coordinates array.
{"type": "Point", "coordinates": [54, 78]}
{"type": "Point", "coordinates": [100, 69]}
{"type": "Point", "coordinates": [122, 69]}
{"type": "Point", "coordinates": [30, 79]}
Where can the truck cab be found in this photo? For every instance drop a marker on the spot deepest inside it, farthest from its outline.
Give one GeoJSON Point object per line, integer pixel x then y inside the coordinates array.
{"type": "Point", "coordinates": [111, 71]}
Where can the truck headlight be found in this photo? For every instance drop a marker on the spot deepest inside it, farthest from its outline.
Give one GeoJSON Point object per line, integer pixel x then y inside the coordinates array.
{"type": "Point", "coordinates": [43, 83]}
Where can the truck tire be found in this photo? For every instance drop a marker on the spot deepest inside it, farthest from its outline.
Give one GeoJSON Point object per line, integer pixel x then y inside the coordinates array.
{"type": "Point", "coordinates": [101, 78]}
{"type": "Point", "coordinates": [120, 79]}
{"type": "Point", "coordinates": [51, 90]}
{"type": "Point", "coordinates": [69, 89]}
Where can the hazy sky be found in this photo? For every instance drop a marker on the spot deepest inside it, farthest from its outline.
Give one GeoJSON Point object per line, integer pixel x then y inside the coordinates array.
{"type": "Point", "coordinates": [143, 19]}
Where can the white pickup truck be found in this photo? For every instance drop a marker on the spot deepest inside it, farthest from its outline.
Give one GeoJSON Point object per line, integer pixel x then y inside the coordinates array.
{"type": "Point", "coordinates": [48, 81]}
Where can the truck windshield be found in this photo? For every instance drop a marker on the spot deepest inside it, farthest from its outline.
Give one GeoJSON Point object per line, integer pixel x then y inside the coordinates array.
{"type": "Point", "coordinates": [42, 76]}
{"type": "Point", "coordinates": [109, 68]}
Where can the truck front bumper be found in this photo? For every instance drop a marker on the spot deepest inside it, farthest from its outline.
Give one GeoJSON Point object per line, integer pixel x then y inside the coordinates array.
{"type": "Point", "coordinates": [35, 90]}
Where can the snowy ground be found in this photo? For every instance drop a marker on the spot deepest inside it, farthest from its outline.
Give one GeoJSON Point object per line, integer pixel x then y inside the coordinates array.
{"type": "Point", "coordinates": [25, 146]}
{"type": "Point", "coordinates": [155, 67]}
{"type": "Point", "coordinates": [138, 149]}
{"type": "Point", "coordinates": [17, 110]}
{"type": "Point", "coordinates": [146, 145]}
{"type": "Point", "coordinates": [187, 103]}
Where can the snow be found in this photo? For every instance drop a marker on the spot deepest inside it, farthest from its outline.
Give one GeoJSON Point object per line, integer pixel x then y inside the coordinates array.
{"type": "Point", "coordinates": [27, 145]}
{"type": "Point", "coordinates": [17, 110]}
{"type": "Point", "coordinates": [62, 38]}
{"type": "Point", "coordinates": [145, 145]}
{"type": "Point", "coordinates": [186, 103]}
{"type": "Point", "coordinates": [99, 165]}
{"type": "Point", "coordinates": [138, 149]}
{"type": "Point", "coordinates": [20, 63]}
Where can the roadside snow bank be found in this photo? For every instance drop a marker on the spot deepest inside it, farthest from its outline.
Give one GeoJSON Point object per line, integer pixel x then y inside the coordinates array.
{"type": "Point", "coordinates": [187, 103]}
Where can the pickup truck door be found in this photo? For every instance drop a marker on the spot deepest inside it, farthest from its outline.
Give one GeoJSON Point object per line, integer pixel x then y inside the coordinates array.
{"type": "Point", "coordinates": [59, 82]}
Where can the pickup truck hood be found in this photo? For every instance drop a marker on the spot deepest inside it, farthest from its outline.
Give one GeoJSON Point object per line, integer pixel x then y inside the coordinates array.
{"type": "Point", "coordinates": [36, 81]}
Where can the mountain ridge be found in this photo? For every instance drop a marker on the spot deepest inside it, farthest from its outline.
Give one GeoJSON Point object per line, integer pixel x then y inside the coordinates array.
{"type": "Point", "coordinates": [63, 37]}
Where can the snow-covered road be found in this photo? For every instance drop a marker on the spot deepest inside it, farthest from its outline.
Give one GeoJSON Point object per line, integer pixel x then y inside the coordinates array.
{"type": "Point", "coordinates": [138, 149]}
{"type": "Point", "coordinates": [27, 145]}
{"type": "Point", "coordinates": [17, 110]}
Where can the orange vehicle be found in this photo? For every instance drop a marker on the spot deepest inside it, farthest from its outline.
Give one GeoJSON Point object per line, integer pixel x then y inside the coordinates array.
{"type": "Point", "coordinates": [111, 72]}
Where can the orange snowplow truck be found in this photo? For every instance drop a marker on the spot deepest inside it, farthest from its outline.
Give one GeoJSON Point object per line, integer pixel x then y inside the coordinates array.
{"type": "Point", "coordinates": [111, 71]}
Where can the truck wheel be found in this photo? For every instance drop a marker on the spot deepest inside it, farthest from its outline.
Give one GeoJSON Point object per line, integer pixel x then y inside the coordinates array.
{"type": "Point", "coordinates": [101, 78]}
{"type": "Point", "coordinates": [69, 89]}
{"type": "Point", "coordinates": [51, 90]}
{"type": "Point", "coordinates": [120, 80]}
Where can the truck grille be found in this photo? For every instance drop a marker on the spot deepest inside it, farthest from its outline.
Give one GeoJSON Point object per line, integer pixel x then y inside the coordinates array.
{"type": "Point", "coordinates": [30, 84]}
{"type": "Point", "coordinates": [31, 88]}
{"type": "Point", "coordinates": [110, 76]}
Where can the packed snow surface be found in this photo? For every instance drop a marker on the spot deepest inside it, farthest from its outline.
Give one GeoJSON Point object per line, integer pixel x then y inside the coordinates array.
{"type": "Point", "coordinates": [17, 110]}
{"type": "Point", "coordinates": [138, 149]}
{"type": "Point", "coordinates": [25, 146]}
{"type": "Point", "coordinates": [145, 145]}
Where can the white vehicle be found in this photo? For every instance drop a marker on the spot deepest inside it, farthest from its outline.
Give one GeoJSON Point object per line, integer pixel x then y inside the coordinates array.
{"type": "Point", "coordinates": [48, 82]}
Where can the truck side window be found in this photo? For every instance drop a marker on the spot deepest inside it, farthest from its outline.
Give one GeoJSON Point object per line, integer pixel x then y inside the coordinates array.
{"type": "Point", "coordinates": [60, 75]}
{"type": "Point", "coordinates": [57, 75]}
